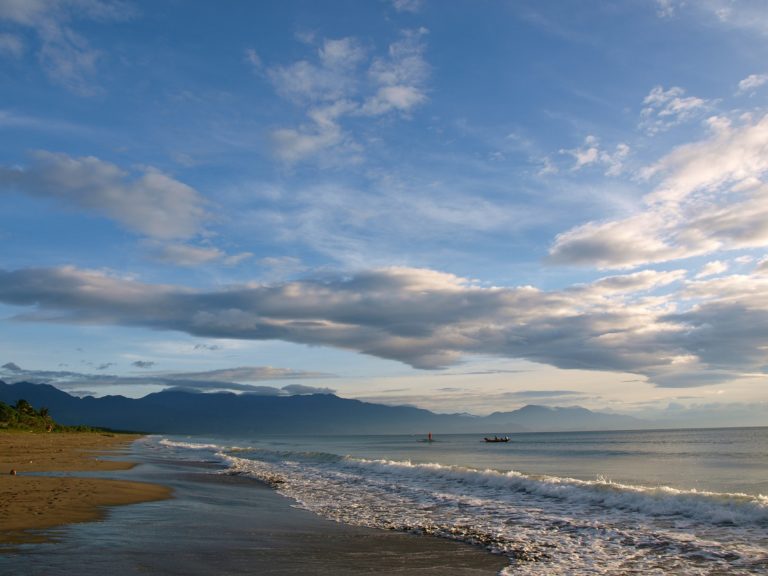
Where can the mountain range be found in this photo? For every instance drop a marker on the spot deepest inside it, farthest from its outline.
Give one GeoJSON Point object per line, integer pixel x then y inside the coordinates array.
{"type": "Point", "coordinates": [176, 411]}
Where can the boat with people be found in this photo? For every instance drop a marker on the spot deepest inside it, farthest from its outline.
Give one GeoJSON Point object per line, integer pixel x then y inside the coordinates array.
{"type": "Point", "coordinates": [497, 439]}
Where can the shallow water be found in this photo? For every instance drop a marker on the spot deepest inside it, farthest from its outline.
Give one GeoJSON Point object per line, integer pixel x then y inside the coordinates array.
{"type": "Point", "coordinates": [224, 524]}
{"type": "Point", "coordinates": [659, 502]}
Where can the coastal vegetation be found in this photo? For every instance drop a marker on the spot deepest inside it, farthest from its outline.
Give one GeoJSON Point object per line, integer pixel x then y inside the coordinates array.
{"type": "Point", "coordinates": [22, 416]}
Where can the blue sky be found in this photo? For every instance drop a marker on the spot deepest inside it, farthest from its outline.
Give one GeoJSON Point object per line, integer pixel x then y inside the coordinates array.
{"type": "Point", "coordinates": [466, 206]}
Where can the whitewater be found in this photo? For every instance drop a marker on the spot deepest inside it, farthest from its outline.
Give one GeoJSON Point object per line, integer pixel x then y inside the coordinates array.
{"type": "Point", "coordinates": [507, 498]}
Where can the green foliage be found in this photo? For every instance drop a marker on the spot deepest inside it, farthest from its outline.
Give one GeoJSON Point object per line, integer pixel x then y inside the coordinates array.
{"type": "Point", "coordinates": [23, 416]}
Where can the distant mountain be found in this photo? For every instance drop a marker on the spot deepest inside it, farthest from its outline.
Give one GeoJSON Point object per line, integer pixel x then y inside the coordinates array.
{"type": "Point", "coordinates": [543, 418]}
{"type": "Point", "coordinates": [184, 412]}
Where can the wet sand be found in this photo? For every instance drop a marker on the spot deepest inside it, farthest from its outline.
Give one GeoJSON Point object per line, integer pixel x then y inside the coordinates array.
{"type": "Point", "coordinates": [31, 503]}
{"type": "Point", "coordinates": [219, 524]}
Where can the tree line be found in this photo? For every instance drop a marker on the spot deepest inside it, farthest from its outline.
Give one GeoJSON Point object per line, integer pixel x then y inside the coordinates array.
{"type": "Point", "coordinates": [23, 416]}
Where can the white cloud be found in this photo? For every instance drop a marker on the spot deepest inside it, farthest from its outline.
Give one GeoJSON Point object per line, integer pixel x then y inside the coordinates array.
{"type": "Point", "coordinates": [666, 108]}
{"type": "Point", "coordinates": [253, 58]}
{"type": "Point", "coordinates": [634, 283]}
{"type": "Point", "coordinates": [66, 56]}
{"type": "Point", "coordinates": [737, 14]}
{"type": "Point", "coordinates": [732, 155]}
{"type": "Point", "coordinates": [337, 85]}
{"type": "Point", "coordinates": [332, 78]}
{"type": "Point", "coordinates": [745, 14]}
{"type": "Point", "coordinates": [665, 8]}
{"type": "Point", "coordinates": [341, 54]}
{"type": "Point", "coordinates": [401, 76]}
{"type": "Point", "coordinates": [401, 98]}
{"type": "Point", "coordinates": [751, 83]}
{"type": "Point", "coordinates": [323, 135]}
{"type": "Point", "coordinates": [710, 196]}
{"type": "Point", "coordinates": [185, 255]}
{"type": "Point", "coordinates": [149, 202]}
{"type": "Point", "coordinates": [712, 269]}
{"type": "Point", "coordinates": [407, 5]}
{"type": "Point", "coordinates": [591, 154]}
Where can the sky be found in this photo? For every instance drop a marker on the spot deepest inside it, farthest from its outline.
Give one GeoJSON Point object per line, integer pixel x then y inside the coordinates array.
{"type": "Point", "coordinates": [466, 206]}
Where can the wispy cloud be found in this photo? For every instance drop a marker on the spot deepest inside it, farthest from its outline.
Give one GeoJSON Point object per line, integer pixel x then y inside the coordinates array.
{"type": "Point", "coordinates": [666, 108]}
{"type": "Point", "coordinates": [710, 196]}
{"type": "Point", "coordinates": [751, 83]}
{"type": "Point", "coordinates": [13, 119]}
{"type": "Point", "coordinates": [361, 227]}
{"type": "Point", "coordinates": [712, 269]}
{"type": "Point", "coordinates": [749, 15]}
{"type": "Point", "coordinates": [665, 8]}
{"type": "Point", "coordinates": [407, 5]}
{"type": "Point", "coordinates": [145, 201]}
{"type": "Point", "coordinates": [150, 202]}
{"type": "Point", "coordinates": [590, 154]}
{"type": "Point", "coordinates": [66, 56]}
{"type": "Point", "coordinates": [344, 80]}
{"type": "Point", "coordinates": [11, 45]}
{"type": "Point", "coordinates": [188, 255]}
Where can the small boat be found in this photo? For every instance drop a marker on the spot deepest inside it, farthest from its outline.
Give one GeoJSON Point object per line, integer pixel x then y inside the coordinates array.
{"type": "Point", "coordinates": [497, 439]}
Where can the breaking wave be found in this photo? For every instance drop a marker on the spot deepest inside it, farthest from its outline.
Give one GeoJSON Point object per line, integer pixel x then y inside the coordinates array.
{"type": "Point", "coordinates": [544, 524]}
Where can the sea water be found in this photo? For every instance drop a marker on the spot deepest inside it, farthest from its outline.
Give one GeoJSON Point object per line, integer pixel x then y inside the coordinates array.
{"type": "Point", "coordinates": [685, 502]}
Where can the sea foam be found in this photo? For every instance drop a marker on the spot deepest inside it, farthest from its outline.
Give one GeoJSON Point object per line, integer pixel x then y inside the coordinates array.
{"type": "Point", "coordinates": [544, 524]}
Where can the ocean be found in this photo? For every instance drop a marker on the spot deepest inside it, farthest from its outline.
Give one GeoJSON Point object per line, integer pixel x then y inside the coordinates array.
{"type": "Point", "coordinates": [686, 502]}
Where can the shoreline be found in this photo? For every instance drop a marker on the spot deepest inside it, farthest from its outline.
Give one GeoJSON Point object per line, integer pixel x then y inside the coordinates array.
{"type": "Point", "coordinates": [220, 523]}
{"type": "Point", "coordinates": [47, 491]}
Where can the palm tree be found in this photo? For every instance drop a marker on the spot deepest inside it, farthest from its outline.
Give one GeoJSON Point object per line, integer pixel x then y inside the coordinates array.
{"type": "Point", "coordinates": [24, 407]}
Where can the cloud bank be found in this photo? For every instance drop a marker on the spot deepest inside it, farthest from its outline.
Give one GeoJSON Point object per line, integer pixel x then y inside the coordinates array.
{"type": "Point", "coordinates": [231, 379]}
{"type": "Point", "coordinates": [430, 320]}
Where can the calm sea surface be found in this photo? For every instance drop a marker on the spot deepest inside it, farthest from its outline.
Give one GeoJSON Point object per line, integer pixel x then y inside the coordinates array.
{"type": "Point", "coordinates": [652, 502]}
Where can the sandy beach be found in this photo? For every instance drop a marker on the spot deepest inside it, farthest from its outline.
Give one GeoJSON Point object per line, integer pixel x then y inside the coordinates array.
{"type": "Point", "coordinates": [215, 524]}
{"type": "Point", "coordinates": [29, 502]}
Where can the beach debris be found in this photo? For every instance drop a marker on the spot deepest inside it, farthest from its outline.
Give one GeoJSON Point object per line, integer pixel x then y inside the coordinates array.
{"type": "Point", "coordinates": [13, 471]}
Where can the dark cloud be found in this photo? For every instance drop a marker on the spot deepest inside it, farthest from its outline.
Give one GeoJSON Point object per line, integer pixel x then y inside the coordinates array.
{"type": "Point", "coordinates": [143, 364]}
{"type": "Point", "coordinates": [214, 380]}
{"type": "Point", "coordinates": [211, 347]}
{"type": "Point", "coordinates": [430, 320]}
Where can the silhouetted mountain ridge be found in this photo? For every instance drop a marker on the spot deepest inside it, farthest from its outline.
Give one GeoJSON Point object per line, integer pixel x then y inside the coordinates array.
{"type": "Point", "coordinates": [176, 411]}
